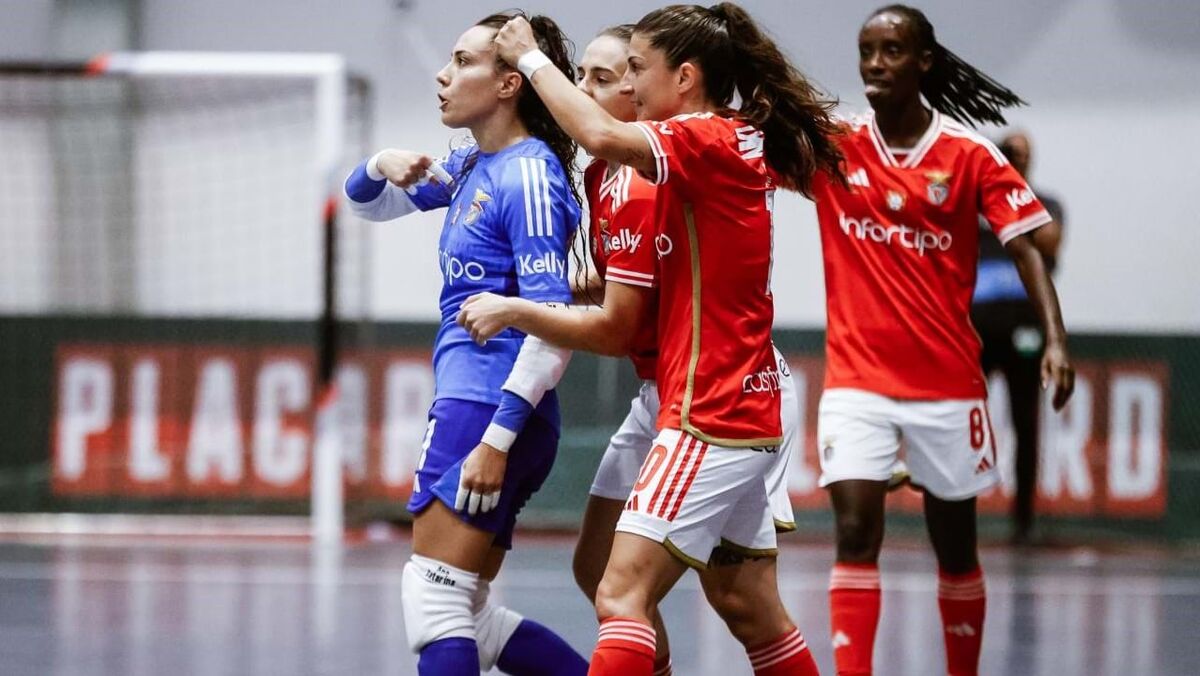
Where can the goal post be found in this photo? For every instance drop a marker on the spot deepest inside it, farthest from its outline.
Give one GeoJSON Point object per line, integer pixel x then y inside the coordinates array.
{"type": "Point", "coordinates": [37, 265]}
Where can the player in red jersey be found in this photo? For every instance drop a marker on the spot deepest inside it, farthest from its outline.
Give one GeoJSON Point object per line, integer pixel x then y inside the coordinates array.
{"type": "Point", "coordinates": [621, 239]}
{"type": "Point", "coordinates": [704, 481]}
{"type": "Point", "coordinates": [621, 243]}
{"type": "Point", "coordinates": [900, 244]}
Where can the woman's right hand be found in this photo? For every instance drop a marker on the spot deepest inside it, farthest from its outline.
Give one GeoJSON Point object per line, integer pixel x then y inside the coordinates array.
{"type": "Point", "coordinates": [403, 167]}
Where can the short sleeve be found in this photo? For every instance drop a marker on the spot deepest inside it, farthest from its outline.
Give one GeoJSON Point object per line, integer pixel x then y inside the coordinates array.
{"type": "Point", "coordinates": [677, 145]}
{"type": "Point", "coordinates": [632, 258]}
{"type": "Point", "coordinates": [539, 214]}
{"type": "Point", "coordinates": [1006, 200]}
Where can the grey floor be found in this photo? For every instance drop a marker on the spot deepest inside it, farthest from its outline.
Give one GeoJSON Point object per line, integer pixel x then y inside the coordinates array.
{"type": "Point", "coordinates": [148, 608]}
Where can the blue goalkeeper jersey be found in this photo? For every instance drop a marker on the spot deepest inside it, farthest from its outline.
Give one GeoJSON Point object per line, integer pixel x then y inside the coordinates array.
{"type": "Point", "coordinates": [509, 217]}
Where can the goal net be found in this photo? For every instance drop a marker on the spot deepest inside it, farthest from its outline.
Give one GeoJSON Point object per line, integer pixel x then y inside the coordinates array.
{"type": "Point", "coordinates": [176, 280]}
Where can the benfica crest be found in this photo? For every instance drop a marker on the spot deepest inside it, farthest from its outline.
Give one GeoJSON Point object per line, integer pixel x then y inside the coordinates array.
{"type": "Point", "coordinates": [481, 198]}
{"type": "Point", "coordinates": [939, 186]}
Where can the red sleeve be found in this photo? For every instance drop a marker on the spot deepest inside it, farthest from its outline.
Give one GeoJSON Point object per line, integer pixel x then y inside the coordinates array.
{"type": "Point", "coordinates": [1006, 200]}
{"type": "Point", "coordinates": [677, 144]}
{"type": "Point", "coordinates": [633, 259]}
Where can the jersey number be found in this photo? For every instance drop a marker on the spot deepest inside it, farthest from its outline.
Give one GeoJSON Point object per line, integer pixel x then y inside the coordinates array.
{"type": "Point", "coordinates": [425, 444]}
{"type": "Point", "coordinates": [650, 467]}
{"type": "Point", "coordinates": [978, 428]}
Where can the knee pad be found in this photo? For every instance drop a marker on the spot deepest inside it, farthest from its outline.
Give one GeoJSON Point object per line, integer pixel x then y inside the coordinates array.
{"type": "Point", "coordinates": [437, 601]}
{"type": "Point", "coordinates": [494, 625]}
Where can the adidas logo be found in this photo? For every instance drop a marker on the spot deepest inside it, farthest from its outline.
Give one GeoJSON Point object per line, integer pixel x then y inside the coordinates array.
{"type": "Point", "coordinates": [840, 640]}
{"type": "Point", "coordinates": [859, 178]}
{"type": "Point", "coordinates": [963, 629]}
{"type": "Point", "coordinates": [984, 465]}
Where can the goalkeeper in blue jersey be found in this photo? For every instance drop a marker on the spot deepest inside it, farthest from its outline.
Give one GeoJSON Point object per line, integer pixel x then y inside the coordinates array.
{"type": "Point", "coordinates": [494, 425]}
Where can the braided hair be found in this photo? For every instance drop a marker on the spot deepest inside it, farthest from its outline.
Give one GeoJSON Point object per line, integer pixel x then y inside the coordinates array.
{"type": "Point", "coordinates": [953, 86]}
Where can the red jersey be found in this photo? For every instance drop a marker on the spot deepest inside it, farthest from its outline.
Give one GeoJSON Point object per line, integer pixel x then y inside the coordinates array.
{"type": "Point", "coordinates": [901, 246]}
{"type": "Point", "coordinates": [621, 213]}
{"type": "Point", "coordinates": [717, 376]}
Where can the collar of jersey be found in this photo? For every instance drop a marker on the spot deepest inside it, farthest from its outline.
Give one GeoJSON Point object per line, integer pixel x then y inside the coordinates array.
{"type": "Point", "coordinates": [914, 155]}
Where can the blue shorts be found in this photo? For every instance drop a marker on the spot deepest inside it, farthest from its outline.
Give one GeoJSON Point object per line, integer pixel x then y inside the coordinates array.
{"type": "Point", "coordinates": [455, 428]}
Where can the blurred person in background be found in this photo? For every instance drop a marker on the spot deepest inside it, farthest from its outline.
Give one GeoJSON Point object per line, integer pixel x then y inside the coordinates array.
{"type": "Point", "coordinates": [1007, 322]}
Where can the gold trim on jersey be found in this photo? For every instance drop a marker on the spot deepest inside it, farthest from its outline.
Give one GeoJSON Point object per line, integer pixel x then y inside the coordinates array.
{"type": "Point", "coordinates": [683, 558]}
{"type": "Point", "coordinates": [747, 551]}
{"type": "Point", "coordinates": [784, 526]}
{"type": "Point", "coordinates": [685, 414]}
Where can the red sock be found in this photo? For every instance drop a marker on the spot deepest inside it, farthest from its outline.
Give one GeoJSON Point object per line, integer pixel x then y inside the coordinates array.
{"type": "Point", "coordinates": [854, 600]}
{"type": "Point", "coordinates": [663, 668]}
{"type": "Point", "coordinates": [963, 604]}
{"type": "Point", "coordinates": [626, 648]}
{"type": "Point", "coordinates": [787, 655]}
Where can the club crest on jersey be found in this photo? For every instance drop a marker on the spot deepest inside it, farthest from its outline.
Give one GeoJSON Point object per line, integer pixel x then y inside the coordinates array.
{"type": "Point", "coordinates": [939, 187]}
{"type": "Point", "coordinates": [895, 200]}
{"type": "Point", "coordinates": [476, 206]}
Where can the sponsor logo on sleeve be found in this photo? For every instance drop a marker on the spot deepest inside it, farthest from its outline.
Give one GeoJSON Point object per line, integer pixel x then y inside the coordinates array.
{"type": "Point", "coordinates": [1019, 197]}
{"type": "Point", "coordinates": [547, 263]}
{"type": "Point", "coordinates": [624, 240]}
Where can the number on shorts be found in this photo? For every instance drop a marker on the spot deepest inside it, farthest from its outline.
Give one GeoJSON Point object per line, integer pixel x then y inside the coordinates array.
{"type": "Point", "coordinates": [425, 444]}
{"type": "Point", "coordinates": [650, 467]}
{"type": "Point", "coordinates": [978, 428]}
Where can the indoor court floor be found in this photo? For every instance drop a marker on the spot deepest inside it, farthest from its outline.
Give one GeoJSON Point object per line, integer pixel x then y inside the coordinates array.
{"type": "Point", "coordinates": [147, 607]}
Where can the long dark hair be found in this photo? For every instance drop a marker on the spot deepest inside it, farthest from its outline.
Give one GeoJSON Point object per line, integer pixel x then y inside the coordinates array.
{"type": "Point", "coordinates": [737, 57]}
{"type": "Point", "coordinates": [953, 86]}
{"type": "Point", "coordinates": [530, 108]}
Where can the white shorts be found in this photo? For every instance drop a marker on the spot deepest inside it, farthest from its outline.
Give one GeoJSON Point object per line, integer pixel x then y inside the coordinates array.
{"type": "Point", "coordinates": [692, 496]}
{"type": "Point", "coordinates": [628, 448]}
{"type": "Point", "coordinates": [948, 444]}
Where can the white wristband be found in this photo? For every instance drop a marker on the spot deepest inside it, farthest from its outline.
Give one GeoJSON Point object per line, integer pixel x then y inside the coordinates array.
{"type": "Point", "coordinates": [499, 437]}
{"type": "Point", "coordinates": [373, 172]}
{"type": "Point", "coordinates": [530, 62]}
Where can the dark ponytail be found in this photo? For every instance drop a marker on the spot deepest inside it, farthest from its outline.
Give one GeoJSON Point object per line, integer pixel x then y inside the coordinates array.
{"type": "Point", "coordinates": [735, 56]}
{"type": "Point", "coordinates": [953, 86]}
{"type": "Point", "coordinates": [530, 108]}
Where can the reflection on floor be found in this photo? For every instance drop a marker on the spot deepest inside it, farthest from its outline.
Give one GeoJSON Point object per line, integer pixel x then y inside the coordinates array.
{"type": "Point", "coordinates": [149, 608]}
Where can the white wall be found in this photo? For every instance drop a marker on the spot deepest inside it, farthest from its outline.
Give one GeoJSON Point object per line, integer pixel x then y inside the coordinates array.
{"type": "Point", "coordinates": [1111, 83]}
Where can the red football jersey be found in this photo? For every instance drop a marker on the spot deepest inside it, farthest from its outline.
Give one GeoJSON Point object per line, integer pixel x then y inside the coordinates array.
{"type": "Point", "coordinates": [901, 246]}
{"type": "Point", "coordinates": [717, 376]}
{"type": "Point", "coordinates": [621, 213]}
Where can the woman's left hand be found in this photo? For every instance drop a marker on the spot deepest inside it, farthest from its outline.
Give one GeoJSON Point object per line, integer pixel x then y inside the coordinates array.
{"type": "Point", "coordinates": [481, 479]}
{"type": "Point", "coordinates": [514, 39]}
{"type": "Point", "coordinates": [484, 315]}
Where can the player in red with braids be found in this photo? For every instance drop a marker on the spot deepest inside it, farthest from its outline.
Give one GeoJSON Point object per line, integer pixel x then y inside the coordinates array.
{"type": "Point", "coordinates": [705, 481]}
{"type": "Point", "coordinates": [901, 244]}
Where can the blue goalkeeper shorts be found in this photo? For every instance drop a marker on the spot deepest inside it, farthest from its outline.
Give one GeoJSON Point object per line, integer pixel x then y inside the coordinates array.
{"type": "Point", "coordinates": [455, 428]}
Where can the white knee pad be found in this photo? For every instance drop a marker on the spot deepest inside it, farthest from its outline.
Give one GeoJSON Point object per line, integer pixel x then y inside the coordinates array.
{"type": "Point", "coordinates": [437, 601]}
{"type": "Point", "coordinates": [494, 625]}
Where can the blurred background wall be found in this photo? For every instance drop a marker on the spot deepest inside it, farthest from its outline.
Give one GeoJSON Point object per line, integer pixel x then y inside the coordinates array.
{"type": "Point", "coordinates": [1111, 85]}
